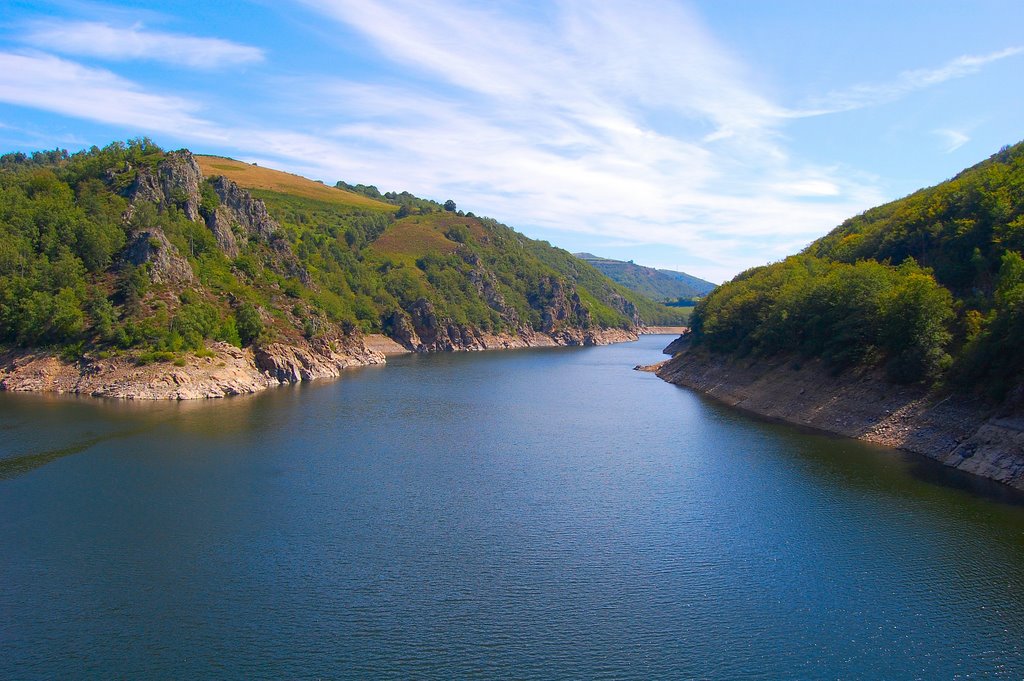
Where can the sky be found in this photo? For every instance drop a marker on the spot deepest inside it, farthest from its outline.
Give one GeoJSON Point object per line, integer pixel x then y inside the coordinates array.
{"type": "Point", "coordinates": [706, 136]}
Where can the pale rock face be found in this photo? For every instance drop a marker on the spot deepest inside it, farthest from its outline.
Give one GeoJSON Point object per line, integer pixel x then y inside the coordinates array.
{"type": "Point", "coordinates": [180, 178]}
{"type": "Point", "coordinates": [220, 223]}
{"type": "Point", "coordinates": [166, 266]}
{"type": "Point", "coordinates": [226, 371]}
{"type": "Point", "coordinates": [239, 207]}
{"type": "Point", "coordinates": [176, 183]}
{"type": "Point", "coordinates": [145, 188]}
{"type": "Point", "coordinates": [240, 218]}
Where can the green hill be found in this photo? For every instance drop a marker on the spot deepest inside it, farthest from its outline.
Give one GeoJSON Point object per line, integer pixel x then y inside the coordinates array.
{"type": "Point", "coordinates": [930, 286]}
{"type": "Point", "coordinates": [660, 285]}
{"type": "Point", "coordinates": [133, 249]}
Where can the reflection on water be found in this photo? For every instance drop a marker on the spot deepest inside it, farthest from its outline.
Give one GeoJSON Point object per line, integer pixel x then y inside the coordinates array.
{"type": "Point", "coordinates": [529, 514]}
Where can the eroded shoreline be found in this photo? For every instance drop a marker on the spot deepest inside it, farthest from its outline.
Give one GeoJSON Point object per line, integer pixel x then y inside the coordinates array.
{"type": "Point", "coordinates": [956, 431]}
{"type": "Point", "coordinates": [225, 370]}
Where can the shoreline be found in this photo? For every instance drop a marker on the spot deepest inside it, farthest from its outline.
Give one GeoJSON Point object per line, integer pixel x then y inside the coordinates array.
{"type": "Point", "coordinates": [956, 431]}
{"type": "Point", "coordinates": [225, 371]}
{"type": "Point", "coordinates": [663, 330]}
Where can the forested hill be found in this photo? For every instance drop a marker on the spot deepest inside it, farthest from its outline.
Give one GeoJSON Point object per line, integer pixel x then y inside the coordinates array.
{"type": "Point", "coordinates": [130, 248]}
{"type": "Point", "coordinates": [930, 286]}
{"type": "Point", "coordinates": [660, 285]}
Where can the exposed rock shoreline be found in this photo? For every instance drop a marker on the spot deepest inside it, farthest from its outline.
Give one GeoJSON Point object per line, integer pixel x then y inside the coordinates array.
{"type": "Point", "coordinates": [226, 370]}
{"type": "Point", "coordinates": [954, 430]}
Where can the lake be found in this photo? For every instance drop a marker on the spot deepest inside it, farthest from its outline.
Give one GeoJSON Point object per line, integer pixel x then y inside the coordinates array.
{"type": "Point", "coordinates": [528, 514]}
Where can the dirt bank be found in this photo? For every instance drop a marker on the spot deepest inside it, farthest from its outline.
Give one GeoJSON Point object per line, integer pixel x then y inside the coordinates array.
{"type": "Point", "coordinates": [954, 430]}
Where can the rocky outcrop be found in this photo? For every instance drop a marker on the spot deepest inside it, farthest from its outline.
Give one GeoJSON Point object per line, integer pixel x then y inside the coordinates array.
{"type": "Point", "coordinates": [319, 359]}
{"type": "Point", "coordinates": [221, 223]}
{"type": "Point", "coordinates": [436, 334]}
{"type": "Point", "coordinates": [486, 285]}
{"type": "Point", "coordinates": [626, 307]}
{"type": "Point", "coordinates": [175, 183]}
{"type": "Point", "coordinates": [400, 328]}
{"type": "Point", "coordinates": [238, 207]}
{"type": "Point", "coordinates": [180, 178]}
{"type": "Point", "coordinates": [560, 307]}
{"type": "Point", "coordinates": [240, 218]}
{"type": "Point", "coordinates": [145, 187]}
{"type": "Point", "coordinates": [166, 266]}
{"type": "Point", "coordinates": [954, 430]}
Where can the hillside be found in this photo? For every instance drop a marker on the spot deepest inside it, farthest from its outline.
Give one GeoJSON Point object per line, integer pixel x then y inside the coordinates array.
{"type": "Point", "coordinates": [902, 326]}
{"type": "Point", "coordinates": [129, 255]}
{"type": "Point", "coordinates": [930, 287]}
{"type": "Point", "coordinates": [251, 176]}
{"type": "Point", "coordinates": [659, 285]}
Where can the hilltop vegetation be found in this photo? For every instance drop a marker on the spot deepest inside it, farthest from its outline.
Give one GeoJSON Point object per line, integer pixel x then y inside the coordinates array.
{"type": "Point", "coordinates": [930, 286]}
{"type": "Point", "coordinates": [666, 286]}
{"type": "Point", "coordinates": [131, 248]}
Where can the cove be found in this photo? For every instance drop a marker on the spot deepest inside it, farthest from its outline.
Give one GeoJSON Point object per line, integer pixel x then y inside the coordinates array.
{"type": "Point", "coordinates": [524, 514]}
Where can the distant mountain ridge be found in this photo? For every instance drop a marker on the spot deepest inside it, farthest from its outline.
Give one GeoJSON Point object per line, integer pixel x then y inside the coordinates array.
{"type": "Point", "coordinates": [656, 284]}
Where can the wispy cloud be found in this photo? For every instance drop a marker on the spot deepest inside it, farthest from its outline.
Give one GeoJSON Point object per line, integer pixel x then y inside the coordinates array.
{"type": "Point", "coordinates": [611, 123]}
{"type": "Point", "coordinates": [627, 124]}
{"type": "Point", "coordinates": [53, 84]}
{"type": "Point", "coordinates": [954, 138]}
{"type": "Point", "coordinates": [118, 43]}
{"type": "Point", "coordinates": [870, 94]}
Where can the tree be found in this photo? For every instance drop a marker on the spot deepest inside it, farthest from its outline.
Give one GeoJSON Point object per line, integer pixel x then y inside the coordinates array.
{"type": "Point", "coordinates": [449, 206]}
{"type": "Point", "coordinates": [249, 324]}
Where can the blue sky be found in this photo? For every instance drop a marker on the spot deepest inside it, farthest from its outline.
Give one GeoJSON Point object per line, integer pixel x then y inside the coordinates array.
{"type": "Point", "coordinates": [701, 136]}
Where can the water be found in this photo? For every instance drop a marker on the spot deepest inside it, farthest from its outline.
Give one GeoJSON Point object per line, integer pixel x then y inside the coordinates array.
{"type": "Point", "coordinates": [529, 514]}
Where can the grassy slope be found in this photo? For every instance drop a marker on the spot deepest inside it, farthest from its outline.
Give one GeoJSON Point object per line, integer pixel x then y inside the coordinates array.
{"type": "Point", "coordinates": [255, 177]}
{"type": "Point", "coordinates": [417, 235]}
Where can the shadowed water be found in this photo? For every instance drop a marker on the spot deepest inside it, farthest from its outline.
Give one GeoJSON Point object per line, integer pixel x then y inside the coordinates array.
{"type": "Point", "coordinates": [533, 514]}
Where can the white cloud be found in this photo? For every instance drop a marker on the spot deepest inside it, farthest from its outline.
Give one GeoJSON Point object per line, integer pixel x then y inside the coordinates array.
{"type": "Point", "coordinates": [53, 84]}
{"type": "Point", "coordinates": [954, 138]}
{"type": "Point", "coordinates": [101, 40]}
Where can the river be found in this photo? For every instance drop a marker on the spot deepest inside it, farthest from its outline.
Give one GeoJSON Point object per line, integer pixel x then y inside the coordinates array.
{"type": "Point", "coordinates": [523, 514]}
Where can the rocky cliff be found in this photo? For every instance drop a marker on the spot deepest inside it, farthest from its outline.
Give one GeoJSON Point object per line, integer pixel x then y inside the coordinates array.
{"type": "Point", "coordinates": [955, 430]}
{"type": "Point", "coordinates": [234, 221]}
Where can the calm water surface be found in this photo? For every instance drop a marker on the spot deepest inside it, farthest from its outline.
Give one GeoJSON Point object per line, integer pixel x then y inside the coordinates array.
{"type": "Point", "coordinates": [533, 514]}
